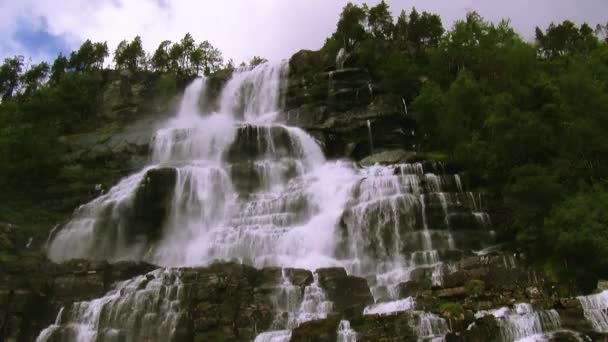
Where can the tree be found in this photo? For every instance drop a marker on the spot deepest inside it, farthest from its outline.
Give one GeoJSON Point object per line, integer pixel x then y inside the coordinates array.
{"type": "Point", "coordinates": [188, 46]}
{"type": "Point", "coordinates": [85, 58]}
{"type": "Point", "coordinates": [206, 58]}
{"type": "Point", "coordinates": [400, 30]}
{"type": "Point", "coordinates": [33, 77]}
{"type": "Point", "coordinates": [10, 73]}
{"type": "Point", "coordinates": [462, 112]}
{"type": "Point", "coordinates": [380, 21]}
{"type": "Point", "coordinates": [58, 69]}
{"type": "Point", "coordinates": [350, 28]}
{"type": "Point", "coordinates": [423, 31]}
{"type": "Point", "coordinates": [257, 60]}
{"type": "Point", "coordinates": [100, 52]}
{"type": "Point", "coordinates": [602, 31]}
{"type": "Point", "coordinates": [160, 61]}
{"type": "Point", "coordinates": [131, 55]}
{"type": "Point", "coordinates": [175, 57]}
{"type": "Point", "coordinates": [577, 237]}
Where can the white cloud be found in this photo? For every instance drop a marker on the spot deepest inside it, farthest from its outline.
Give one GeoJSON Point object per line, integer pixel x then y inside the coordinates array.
{"type": "Point", "coordinates": [242, 28]}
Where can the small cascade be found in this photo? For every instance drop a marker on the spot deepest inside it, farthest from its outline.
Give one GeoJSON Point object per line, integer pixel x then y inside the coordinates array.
{"type": "Point", "coordinates": [596, 310]}
{"type": "Point", "coordinates": [402, 218]}
{"type": "Point", "coordinates": [274, 336]}
{"type": "Point", "coordinates": [371, 138]}
{"type": "Point", "coordinates": [404, 106]}
{"type": "Point", "coordinates": [340, 59]}
{"type": "Point", "coordinates": [255, 95]}
{"type": "Point", "coordinates": [523, 322]}
{"type": "Point", "coordinates": [429, 327]}
{"type": "Point", "coordinates": [97, 229]}
{"type": "Point", "coordinates": [147, 307]}
{"type": "Point", "coordinates": [314, 304]}
{"type": "Point", "coordinates": [294, 308]}
{"type": "Point", "coordinates": [345, 332]}
{"type": "Point", "coordinates": [386, 308]}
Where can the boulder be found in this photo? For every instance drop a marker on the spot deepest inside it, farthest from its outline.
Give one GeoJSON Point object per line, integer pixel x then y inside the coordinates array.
{"type": "Point", "coordinates": [349, 294]}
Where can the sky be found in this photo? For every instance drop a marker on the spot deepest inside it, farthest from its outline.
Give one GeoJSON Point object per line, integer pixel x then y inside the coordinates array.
{"type": "Point", "coordinates": [241, 29]}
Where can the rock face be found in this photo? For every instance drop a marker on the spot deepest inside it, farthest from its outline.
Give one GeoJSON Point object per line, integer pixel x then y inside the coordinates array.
{"type": "Point", "coordinates": [31, 295]}
{"type": "Point", "coordinates": [349, 294]}
{"type": "Point", "coordinates": [340, 109]}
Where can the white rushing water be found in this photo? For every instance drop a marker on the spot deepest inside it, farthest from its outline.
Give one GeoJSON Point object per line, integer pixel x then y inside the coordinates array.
{"type": "Point", "coordinates": [596, 310]}
{"type": "Point", "coordinates": [242, 187]}
{"type": "Point", "coordinates": [143, 308]}
{"type": "Point", "coordinates": [345, 332]}
{"type": "Point", "coordinates": [523, 323]}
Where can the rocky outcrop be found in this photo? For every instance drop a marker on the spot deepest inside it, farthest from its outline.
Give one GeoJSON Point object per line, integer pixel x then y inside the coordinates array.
{"type": "Point", "coordinates": [340, 108]}
{"type": "Point", "coordinates": [152, 203]}
{"type": "Point", "coordinates": [31, 294]}
{"type": "Point", "coordinates": [349, 294]}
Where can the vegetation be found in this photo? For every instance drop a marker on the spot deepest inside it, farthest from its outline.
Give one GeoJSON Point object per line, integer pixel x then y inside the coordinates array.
{"type": "Point", "coordinates": [451, 310]}
{"type": "Point", "coordinates": [525, 120]}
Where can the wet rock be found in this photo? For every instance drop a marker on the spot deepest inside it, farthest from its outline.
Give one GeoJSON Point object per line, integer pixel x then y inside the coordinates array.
{"type": "Point", "coordinates": [388, 157]}
{"type": "Point", "coordinates": [321, 330]}
{"type": "Point", "coordinates": [152, 203]}
{"type": "Point", "coordinates": [349, 294]}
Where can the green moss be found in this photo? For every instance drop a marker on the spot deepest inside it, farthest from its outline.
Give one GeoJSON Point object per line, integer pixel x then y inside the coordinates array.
{"type": "Point", "coordinates": [475, 287]}
{"type": "Point", "coordinates": [451, 310]}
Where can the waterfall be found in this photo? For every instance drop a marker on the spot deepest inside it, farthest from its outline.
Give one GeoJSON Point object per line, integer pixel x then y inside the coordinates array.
{"type": "Point", "coordinates": [369, 135]}
{"type": "Point", "coordinates": [523, 322]}
{"type": "Point", "coordinates": [596, 310]}
{"type": "Point", "coordinates": [235, 185]}
{"type": "Point", "coordinates": [147, 307]}
{"type": "Point", "coordinates": [340, 59]}
{"type": "Point", "coordinates": [294, 309]}
{"type": "Point", "coordinates": [255, 95]}
{"type": "Point", "coordinates": [390, 307]}
{"type": "Point", "coordinates": [345, 333]}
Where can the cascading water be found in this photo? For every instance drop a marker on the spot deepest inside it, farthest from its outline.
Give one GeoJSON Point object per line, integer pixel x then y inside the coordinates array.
{"type": "Point", "coordinates": [141, 309]}
{"type": "Point", "coordinates": [523, 323]}
{"type": "Point", "coordinates": [596, 310]}
{"type": "Point", "coordinates": [235, 185]}
{"type": "Point", "coordinates": [346, 333]}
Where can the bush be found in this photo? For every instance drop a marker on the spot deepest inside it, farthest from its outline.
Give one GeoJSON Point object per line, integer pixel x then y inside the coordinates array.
{"type": "Point", "coordinates": [451, 310]}
{"type": "Point", "coordinates": [475, 287]}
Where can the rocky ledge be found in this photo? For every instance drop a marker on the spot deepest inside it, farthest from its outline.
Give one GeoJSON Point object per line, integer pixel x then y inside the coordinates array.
{"type": "Point", "coordinates": [234, 302]}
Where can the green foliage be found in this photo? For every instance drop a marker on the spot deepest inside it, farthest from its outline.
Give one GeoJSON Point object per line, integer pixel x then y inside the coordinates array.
{"type": "Point", "coordinates": [350, 28]}
{"type": "Point", "coordinates": [130, 55]}
{"type": "Point", "coordinates": [576, 231]}
{"type": "Point", "coordinates": [527, 121]}
{"type": "Point", "coordinates": [475, 287]}
{"type": "Point", "coordinates": [451, 310]}
{"type": "Point", "coordinates": [257, 60]}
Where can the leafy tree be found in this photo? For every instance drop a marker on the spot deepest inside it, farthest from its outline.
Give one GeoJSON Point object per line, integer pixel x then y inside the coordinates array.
{"type": "Point", "coordinates": [576, 232]}
{"type": "Point", "coordinates": [257, 60]}
{"type": "Point", "coordinates": [58, 69]}
{"type": "Point", "coordinates": [462, 111]}
{"type": "Point", "coordinates": [88, 57]}
{"type": "Point", "coordinates": [10, 73]}
{"type": "Point", "coordinates": [32, 78]}
{"type": "Point", "coordinates": [100, 52]}
{"type": "Point", "coordinates": [161, 61]}
{"type": "Point", "coordinates": [401, 31]}
{"type": "Point", "coordinates": [602, 31]}
{"type": "Point", "coordinates": [131, 55]}
{"type": "Point", "coordinates": [350, 28]}
{"type": "Point", "coordinates": [206, 58]}
{"type": "Point", "coordinates": [380, 21]}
